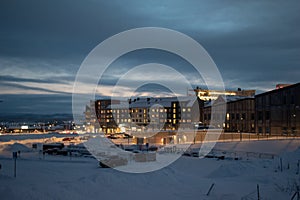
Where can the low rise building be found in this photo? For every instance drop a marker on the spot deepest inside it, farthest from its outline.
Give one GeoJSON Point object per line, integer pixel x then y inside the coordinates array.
{"type": "Point", "coordinates": [239, 116]}
{"type": "Point", "coordinates": [278, 111]}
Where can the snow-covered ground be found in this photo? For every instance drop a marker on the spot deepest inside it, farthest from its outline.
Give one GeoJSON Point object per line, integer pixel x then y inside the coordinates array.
{"type": "Point", "coordinates": [59, 177]}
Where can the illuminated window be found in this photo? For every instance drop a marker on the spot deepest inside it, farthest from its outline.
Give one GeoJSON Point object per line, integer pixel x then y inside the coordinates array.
{"type": "Point", "coordinates": [227, 116]}
{"type": "Point", "coordinates": [174, 116]}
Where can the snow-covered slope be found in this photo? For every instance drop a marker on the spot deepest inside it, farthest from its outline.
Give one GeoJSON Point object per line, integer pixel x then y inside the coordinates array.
{"type": "Point", "coordinates": [58, 177]}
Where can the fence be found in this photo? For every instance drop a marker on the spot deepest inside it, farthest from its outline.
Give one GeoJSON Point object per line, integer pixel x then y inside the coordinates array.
{"type": "Point", "coordinates": [224, 136]}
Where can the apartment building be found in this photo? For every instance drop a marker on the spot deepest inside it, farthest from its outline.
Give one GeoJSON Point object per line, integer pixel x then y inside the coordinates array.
{"type": "Point", "coordinates": [139, 114]}
{"type": "Point", "coordinates": [278, 111]}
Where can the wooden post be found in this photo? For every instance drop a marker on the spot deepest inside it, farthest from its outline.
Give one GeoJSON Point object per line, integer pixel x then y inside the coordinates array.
{"type": "Point", "coordinates": [15, 155]}
{"type": "Point", "coordinates": [258, 196]}
{"type": "Point", "coordinates": [211, 187]}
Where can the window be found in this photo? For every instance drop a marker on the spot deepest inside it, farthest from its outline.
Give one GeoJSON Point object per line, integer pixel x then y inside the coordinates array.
{"type": "Point", "coordinates": [232, 116]}
{"type": "Point", "coordinates": [227, 116]}
{"type": "Point", "coordinates": [243, 116]}
{"type": "Point", "coordinates": [259, 115]}
{"type": "Point", "coordinates": [267, 115]}
{"type": "Point", "coordinates": [292, 99]}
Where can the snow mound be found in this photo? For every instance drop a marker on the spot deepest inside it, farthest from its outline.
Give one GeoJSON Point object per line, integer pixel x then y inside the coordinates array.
{"type": "Point", "coordinates": [17, 147]}
{"type": "Point", "coordinates": [294, 155]}
{"type": "Point", "coordinates": [230, 170]}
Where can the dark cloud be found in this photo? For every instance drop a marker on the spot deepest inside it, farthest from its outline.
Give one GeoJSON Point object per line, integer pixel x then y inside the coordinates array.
{"type": "Point", "coordinates": [9, 78]}
{"type": "Point", "coordinates": [20, 86]}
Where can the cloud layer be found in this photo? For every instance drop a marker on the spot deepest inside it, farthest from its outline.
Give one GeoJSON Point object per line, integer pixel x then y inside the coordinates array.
{"type": "Point", "coordinates": [255, 44]}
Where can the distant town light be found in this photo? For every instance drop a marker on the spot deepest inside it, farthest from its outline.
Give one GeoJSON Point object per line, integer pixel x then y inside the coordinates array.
{"type": "Point", "coordinates": [24, 127]}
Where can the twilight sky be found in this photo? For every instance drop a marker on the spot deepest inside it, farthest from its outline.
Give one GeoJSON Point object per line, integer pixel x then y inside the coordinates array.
{"type": "Point", "coordinates": [255, 44]}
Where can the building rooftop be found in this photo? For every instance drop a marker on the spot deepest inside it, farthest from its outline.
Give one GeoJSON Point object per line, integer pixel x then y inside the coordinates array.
{"type": "Point", "coordinates": [144, 102]}
{"type": "Point", "coordinates": [287, 87]}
